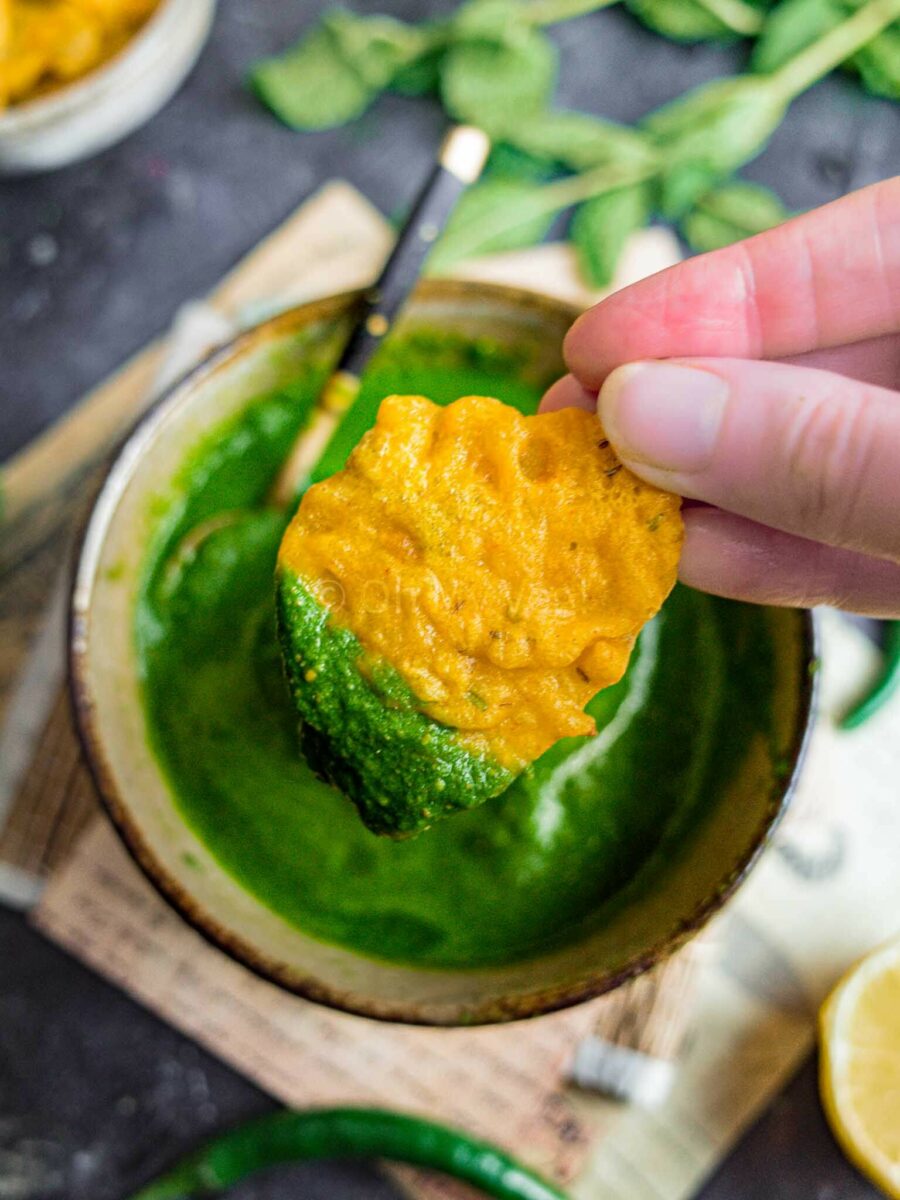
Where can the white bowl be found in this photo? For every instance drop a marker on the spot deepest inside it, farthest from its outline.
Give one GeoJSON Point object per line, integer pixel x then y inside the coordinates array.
{"type": "Point", "coordinates": [110, 102]}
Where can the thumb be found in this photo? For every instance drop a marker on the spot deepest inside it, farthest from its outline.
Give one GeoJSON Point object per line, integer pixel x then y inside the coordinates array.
{"type": "Point", "coordinates": [795, 448]}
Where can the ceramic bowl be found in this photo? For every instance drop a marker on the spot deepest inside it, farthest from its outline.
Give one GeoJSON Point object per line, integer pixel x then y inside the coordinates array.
{"type": "Point", "coordinates": [88, 115]}
{"type": "Point", "coordinates": [106, 691]}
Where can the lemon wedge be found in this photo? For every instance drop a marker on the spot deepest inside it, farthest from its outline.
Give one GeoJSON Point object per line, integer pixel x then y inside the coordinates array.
{"type": "Point", "coordinates": [860, 1065]}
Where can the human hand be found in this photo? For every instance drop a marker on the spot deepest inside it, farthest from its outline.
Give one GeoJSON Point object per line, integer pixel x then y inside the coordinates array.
{"type": "Point", "coordinates": [776, 407]}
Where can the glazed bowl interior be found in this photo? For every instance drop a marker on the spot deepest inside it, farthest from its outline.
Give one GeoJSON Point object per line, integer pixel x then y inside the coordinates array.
{"type": "Point", "coordinates": [643, 926]}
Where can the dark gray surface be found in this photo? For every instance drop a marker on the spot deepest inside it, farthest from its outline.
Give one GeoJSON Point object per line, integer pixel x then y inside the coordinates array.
{"type": "Point", "coordinates": [95, 1094]}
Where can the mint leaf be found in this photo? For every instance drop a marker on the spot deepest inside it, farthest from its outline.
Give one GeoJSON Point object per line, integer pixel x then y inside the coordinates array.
{"type": "Point", "coordinates": [508, 161]}
{"type": "Point", "coordinates": [579, 141]}
{"type": "Point", "coordinates": [683, 184]}
{"type": "Point", "coordinates": [375, 47]}
{"type": "Point", "coordinates": [709, 133]}
{"type": "Point", "coordinates": [834, 48]}
{"type": "Point", "coordinates": [791, 27]}
{"type": "Point", "coordinates": [311, 86]}
{"type": "Point", "coordinates": [495, 215]}
{"type": "Point", "coordinates": [688, 111]}
{"type": "Point", "coordinates": [878, 64]}
{"type": "Point", "coordinates": [497, 84]}
{"type": "Point", "coordinates": [601, 226]}
{"type": "Point", "coordinates": [680, 20]}
{"type": "Point", "coordinates": [795, 24]}
{"type": "Point", "coordinates": [732, 212]}
{"type": "Point", "coordinates": [422, 76]}
{"type": "Point", "coordinates": [488, 20]}
{"type": "Point", "coordinates": [334, 73]}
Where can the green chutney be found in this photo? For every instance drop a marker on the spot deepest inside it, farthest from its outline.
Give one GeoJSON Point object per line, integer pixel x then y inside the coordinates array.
{"type": "Point", "coordinates": [591, 823]}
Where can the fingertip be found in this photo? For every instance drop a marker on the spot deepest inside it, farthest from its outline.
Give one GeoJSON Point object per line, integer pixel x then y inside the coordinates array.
{"type": "Point", "coordinates": [727, 555]}
{"type": "Point", "coordinates": [712, 548]}
{"type": "Point", "coordinates": [580, 358]}
{"type": "Point", "coordinates": [724, 557]}
{"type": "Point", "coordinates": [567, 393]}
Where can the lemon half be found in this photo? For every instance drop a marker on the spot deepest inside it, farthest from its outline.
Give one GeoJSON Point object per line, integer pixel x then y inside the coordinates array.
{"type": "Point", "coordinates": [860, 1065]}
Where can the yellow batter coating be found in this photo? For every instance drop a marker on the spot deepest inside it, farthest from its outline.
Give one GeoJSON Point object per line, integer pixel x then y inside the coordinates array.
{"type": "Point", "coordinates": [502, 564]}
{"type": "Point", "coordinates": [47, 43]}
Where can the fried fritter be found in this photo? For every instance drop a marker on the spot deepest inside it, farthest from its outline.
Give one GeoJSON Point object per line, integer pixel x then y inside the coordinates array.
{"type": "Point", "coordinates": [486, 573]}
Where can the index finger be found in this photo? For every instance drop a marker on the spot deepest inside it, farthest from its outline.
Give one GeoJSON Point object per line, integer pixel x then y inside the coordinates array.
{"type": "Point", "coordinates": [826, 278]}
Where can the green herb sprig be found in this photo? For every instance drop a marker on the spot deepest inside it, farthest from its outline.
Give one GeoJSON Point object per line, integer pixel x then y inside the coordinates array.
{"type": "Point", "coordinates": [781, 30]}
{"type": "Point", "coordinates": [701, 20]}
{"type": "Point", "coordinates": [795, 24]}
{"type": "Point", "coordinates": [338, 69]}
{"type": "Point", "coordinates": [491, 65]}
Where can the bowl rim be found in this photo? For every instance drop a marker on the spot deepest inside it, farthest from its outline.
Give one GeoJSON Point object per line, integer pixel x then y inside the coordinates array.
{"type": "Point", "coordinates": [535, 1004]}
{"type": "Point", "coordinates": [97, 82]}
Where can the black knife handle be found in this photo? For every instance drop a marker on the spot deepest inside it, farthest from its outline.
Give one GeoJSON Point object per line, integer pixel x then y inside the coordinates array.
{"type": "Point", "coordinates": [459, 163]}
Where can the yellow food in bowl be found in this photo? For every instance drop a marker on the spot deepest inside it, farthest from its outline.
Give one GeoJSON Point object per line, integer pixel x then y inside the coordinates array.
{"type": "Point", "coordinates": [502, 564]}
{"type": "Point", "coordinates": [45, 44]}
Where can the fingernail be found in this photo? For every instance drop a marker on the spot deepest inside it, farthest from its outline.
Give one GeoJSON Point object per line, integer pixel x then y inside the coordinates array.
{"type": "Point", "coordinates": [664, 415]}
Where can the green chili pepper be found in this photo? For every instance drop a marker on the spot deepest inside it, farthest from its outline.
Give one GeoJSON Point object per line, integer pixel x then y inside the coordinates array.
{"type": "Point", "coordinates": [347, 1133]}
{"type": "Point", "coordinates": [885, 684]}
